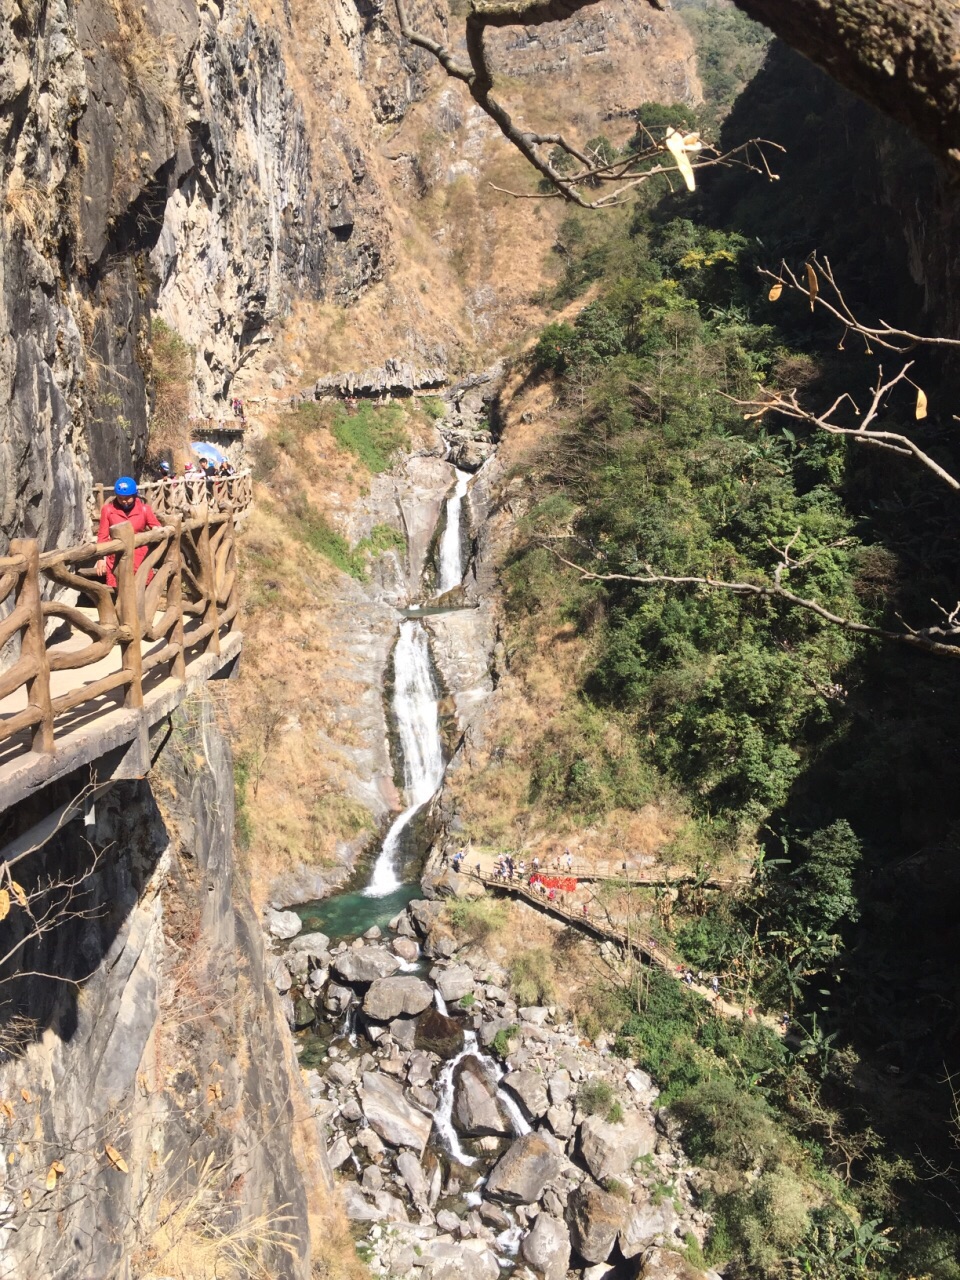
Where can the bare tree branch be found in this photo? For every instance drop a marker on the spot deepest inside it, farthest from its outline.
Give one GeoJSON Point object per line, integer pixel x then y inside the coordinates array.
{"type": "Point", "coordinates": [928, 639]}
{"type": "Point", "coordinates": [624, 173]}
{"type": "Point", "coordinates": [786, 402]}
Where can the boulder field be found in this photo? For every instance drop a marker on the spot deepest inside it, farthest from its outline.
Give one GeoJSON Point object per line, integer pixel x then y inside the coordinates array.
{"type": "Point", "coordinates": [473, 1138]}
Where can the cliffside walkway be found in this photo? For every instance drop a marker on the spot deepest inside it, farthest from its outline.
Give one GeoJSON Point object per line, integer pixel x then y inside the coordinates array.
{"type": "Point", "coordinates": [608, 869]}
{"type": "Point", "coordinates": [645, 947]}
{"type": "Point", "coordinates": [191, 497]}
{"type": "Point", "coordinates": [86, 671]}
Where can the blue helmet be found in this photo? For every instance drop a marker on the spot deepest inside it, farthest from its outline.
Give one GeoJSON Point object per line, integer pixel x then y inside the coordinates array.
{"type": "Point", "coordinates": [126, 487]}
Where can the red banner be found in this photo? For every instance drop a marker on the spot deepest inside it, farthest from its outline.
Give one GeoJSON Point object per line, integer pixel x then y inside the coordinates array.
{"type": "Point", "coordinates": [566, 884]}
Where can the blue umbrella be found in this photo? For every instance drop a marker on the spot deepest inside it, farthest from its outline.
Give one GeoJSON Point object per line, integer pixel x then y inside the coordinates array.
{"type": "Point", "coordinates": [208, 451]}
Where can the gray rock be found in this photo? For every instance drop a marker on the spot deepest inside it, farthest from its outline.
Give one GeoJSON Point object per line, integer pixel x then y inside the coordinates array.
{"type": "Point", "coordinates": [547, 1247]}
{"type": "Point", "coordinates": [318, 978]}
{"type": "Point", "coordinates": [663, 1264]}
{"type": "Point", "coordinates": [372, 1179]}
{"type": "Point", "coordinates": [339, 1152]}
{"type": "Point", "coordinates": [525, 1168]}
{"type": "Point", "coordinates": [351, 1110]}
{"type": "Point", "coordinates": [358, 1208]}
{"type": "Point", "coordinates": [392, 1207]}
{"type": "Point", "coordinates": [455, 982]}
{"type": "Point", "coordinates": [560, 1120]}
{"type": "Point", "coordinates": [314, 944]}
{"type": "Point", "coordinates": [647, 1223]}
{"type": "Point", "coordinates": [390, 1115]}
{"type": "Point", "coordinates": [560, 1086]}
{"type": "Point", "coordinates": [424, 915]}
{"type": "Point", "coordinates": [282, 924]}
{"type": "Point", "coordinates": [342, 1073]}
{"type": "Point", "coordinates": [440, 943]}
{"type": "Point", "coordinates": [374, 933]}
{"type": "Point", "coordinates": [337, 999]}
{"type": "Point", "coordinates": [466, 1260]}
{"type": "Point", "coordinates": [494, 1216]}
{"type": "Point", "coordinates": [642, 1085]}
{"type": "Point", "coordinates": [281, 976]}
{"type": "Point", "coordinates": [609, 1150]}
{"type": "Point", "coordinates": [425, 1098]}
{"type": "Point", "coordinates": [535, 1014]}
{"type": "Point", "coordinates": [407, 949]}
{"type": "Point", "coordinates": [366, 964]}
{"type": "Point", "coordinates": [404, 1031]}
{"type": "Point", "coordinates": [388, 998]}
{"type": "Point", "coordinates": [448, 1221]}
{"type": "Point", "coordinates": [496, 994]}
{"type": "Point", "coordinates": [476, 1110]}
{"type": "Point", "coordinates": [408, 1166]}
{"type": "Point", "coordinates": [530, 1089]}
{"type": "Point", "coordinates": [451, 884]}
{"type": "Point", "coordinates": [370, 1142]}
{"type": "Point", "coordinates": [595, 1219]}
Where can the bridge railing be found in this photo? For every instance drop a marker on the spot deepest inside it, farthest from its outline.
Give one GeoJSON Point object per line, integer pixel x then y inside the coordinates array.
{"type": "Point", "coordinates": [191, 496]}
{"type": "Point", "coordinates": [57, 616]}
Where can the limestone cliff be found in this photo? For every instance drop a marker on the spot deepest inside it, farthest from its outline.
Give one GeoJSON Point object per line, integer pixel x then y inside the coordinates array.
{"type": "Point", "coordinates": [160, 1074]}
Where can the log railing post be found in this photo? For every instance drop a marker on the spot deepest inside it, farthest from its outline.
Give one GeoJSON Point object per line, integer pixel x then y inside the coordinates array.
{"type": "Point", "coordinates": [178, 667]}
{"type": "Point", "coordinates": [33, 643]}
{"type": "Point", "coordinates": [210, 613]}
{"type": "Point", "coordinates": [131, 653]}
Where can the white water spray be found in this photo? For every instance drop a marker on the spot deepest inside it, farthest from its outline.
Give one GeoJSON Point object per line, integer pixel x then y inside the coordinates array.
{"type": "Point", "coordinates": [451, 562]}
{"type": "Point", "coordinates": [443, 1116]}
{"type": "Point", "coordinates": [418, 725]}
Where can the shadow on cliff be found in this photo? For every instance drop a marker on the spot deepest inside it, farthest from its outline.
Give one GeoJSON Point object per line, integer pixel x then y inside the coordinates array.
{"type": "Point", "coordinates": [70, 902]}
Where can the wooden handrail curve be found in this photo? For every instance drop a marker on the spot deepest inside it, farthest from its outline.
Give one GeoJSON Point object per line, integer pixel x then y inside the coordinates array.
{"type": "Point", "coordinates": [181, 597]}
{"type": "Point", "coordinates": [190, 496]}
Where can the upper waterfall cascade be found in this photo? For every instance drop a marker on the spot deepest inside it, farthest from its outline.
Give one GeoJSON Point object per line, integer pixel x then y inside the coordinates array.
{"type": "Point", "coordinates": [451, 555]}
{"type": "Point", "coordinates": [418, 725]}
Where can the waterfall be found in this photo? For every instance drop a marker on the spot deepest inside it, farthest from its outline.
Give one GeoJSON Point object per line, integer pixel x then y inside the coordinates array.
{"type": "Point", "coordinates": [451, 564]}
{"type": "Point", "coordinates": [443, 1116]}
{"type": "Point", "coordinates": [418, 726]}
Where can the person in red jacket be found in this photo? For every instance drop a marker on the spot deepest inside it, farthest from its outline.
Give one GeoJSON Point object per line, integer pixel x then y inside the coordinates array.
{"type": "Point", "coordinates": [125, 505]}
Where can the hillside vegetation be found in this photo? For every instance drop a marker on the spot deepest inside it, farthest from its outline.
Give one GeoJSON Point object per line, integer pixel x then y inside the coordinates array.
{"type": "Point", "coordinates": [730, 731]}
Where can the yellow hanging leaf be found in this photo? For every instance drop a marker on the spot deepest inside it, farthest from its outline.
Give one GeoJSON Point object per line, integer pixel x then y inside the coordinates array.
{"type": "Point", "coordinates": [921, 410]}
{"type": "Point", "coordinates": [115, 1158]}
{"type": "Point", "coordinates": [27, 1198]}
{"type": "Point", "coordinates": [775, 291]}
{"type": "Point", "coordinates": [51, 1181]}
{"type": "Point", "coordinates": [214, 1091]}
{"type": "Point", "coordinates": [26, 1095]}
{"type": "Point", "coordinates": [6, 1108]}
{"type": "Point", "coordinates": [58, 1166]}
{"type": "Point", "coordinates": [813, 284]}
{"type": "Point", "coordinates": [4, 904]}
{"type": "Point", "coordinates": [676, 148]}
{"type": "Point", "coordinates": [18, 893]}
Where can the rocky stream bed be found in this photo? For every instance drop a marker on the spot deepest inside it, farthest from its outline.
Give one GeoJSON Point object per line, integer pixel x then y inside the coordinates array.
{"type": "Point", "coordinates": [474, 1138]}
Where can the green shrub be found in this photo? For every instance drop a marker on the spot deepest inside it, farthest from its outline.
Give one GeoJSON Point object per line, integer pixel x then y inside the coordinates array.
{"type": "Point", "coordinates": [468, 1001]}
{"type": "Point", "coordinates": [726, 1126]}
{"type": "Point", "coordinates": [595, 1097]}
{"type": "Point", "coordinates": [373, 434]}
{"type": "Point", "coordinates": [476, 918]}
{"type": "Point", "coordinates": [501, 1041]}
{"type": "Point", "coordinates": [614, 1187]}
{"type": "Point", "coordinates": [532, 976]}
{"type": "Point", "coordinates": [615, 1114]}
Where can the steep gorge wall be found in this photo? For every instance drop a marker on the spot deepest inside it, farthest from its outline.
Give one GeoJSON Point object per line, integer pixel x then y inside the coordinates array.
{"type": "Point", "coordinates": [173, 1050]}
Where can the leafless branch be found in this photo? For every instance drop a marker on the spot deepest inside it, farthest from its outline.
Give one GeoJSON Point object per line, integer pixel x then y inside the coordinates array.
{"type": "Point", "coordinates": [833, 301]}
{"type": "Point", "coordinates": [624, 173]}
{"type": "Point", "coordinates": [863, 432]}
{"type": "Point", "coordinates": [933, 639]}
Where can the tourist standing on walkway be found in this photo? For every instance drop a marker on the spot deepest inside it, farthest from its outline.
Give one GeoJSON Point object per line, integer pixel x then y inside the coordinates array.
{"type": "Point", "coordinates": [124, 507]}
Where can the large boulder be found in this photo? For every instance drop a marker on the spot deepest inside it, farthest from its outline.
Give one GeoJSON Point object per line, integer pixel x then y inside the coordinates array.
{"type": "Point", "coordinates": [476, 1110]}
{"type": "Point", "coordinates": [530, 1090]}
{"type": "Point", "coordinates": [546, 1247]}
{"type": "Point", "coordinates": [451, 884]}
{"type": "Point", "coordinates": [523, 1171]}
{"type": "Point", "coordinates": [440, 943]}
{"type": "Point", "coordinates": [366, 964]}
{"type": "Point", "coordinates": [409, 1168]}
{"type": "Point", "coordinates": [338, 999]}
{"type": "Point", "coordinates": [609, 1150]}
{"type": "Point", "coordinates": [390, 1115]}
{"type": "Point", "coordinates": [595, 1219]}
{"type": "Point", "coordinates": [438, 1034]}
{"type": "Point", "coordinates": [455, 982]}
{"type": "Point", "coordinates": [664, 1264]}
{"type": "Point", "coordinates": [646, 1223]}
{"type": "Point", "coordinates": [358, 1207]}
{"type": "Point", "coordinates": [424, 914]}
{"type": "Point", "coordinates": [465, 1260]}
{"type": "Point", "coordinates": [388, 998]}
{"type": "Point", "coordinates": [282, 924]}
{"type": "Point", "coordinates": [316, 945]}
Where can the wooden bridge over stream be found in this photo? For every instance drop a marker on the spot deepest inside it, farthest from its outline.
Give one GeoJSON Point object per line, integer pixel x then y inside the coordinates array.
{"type": "Point", "coordinates": [86, 670]}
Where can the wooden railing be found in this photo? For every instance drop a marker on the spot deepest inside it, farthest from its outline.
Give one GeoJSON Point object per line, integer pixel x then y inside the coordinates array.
{"type": "Point", "coordinates": [190, 496]}
{"type": "Point", "coordinates": [181, 598]}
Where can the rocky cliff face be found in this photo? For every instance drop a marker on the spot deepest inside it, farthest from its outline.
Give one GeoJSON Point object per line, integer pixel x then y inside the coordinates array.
{"type": "Point", "coordinates": [158, 1109]}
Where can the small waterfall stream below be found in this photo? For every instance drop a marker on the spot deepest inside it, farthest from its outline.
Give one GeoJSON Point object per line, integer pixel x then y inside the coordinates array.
{"type": "Point", "coordinates": [450, 568]}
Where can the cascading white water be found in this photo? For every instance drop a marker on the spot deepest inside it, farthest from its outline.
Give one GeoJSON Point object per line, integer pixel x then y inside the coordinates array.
{"type": "Point", "coordinates": [443, 1116]}
{"type": "Point", "coordinates": [451, 561]}
{"type": "Point", "coordinates": [418, 726]}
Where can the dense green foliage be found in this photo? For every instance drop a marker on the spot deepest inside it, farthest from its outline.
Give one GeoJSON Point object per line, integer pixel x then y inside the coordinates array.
{"type": "Point", "coordinates": [373, 433]}
{"type": "Point", "coordinates": [829, 754]}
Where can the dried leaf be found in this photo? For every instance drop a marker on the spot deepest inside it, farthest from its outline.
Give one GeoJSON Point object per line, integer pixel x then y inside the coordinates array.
{"type": "Point", "coordinates": [27, 1198]}
{"type": "Point", "coordinates": [675, 147]}
{"type": "Point", "coordinates": [58, 1165]}
{"type": "Point", "coordinates": [18, 893]}
{"type": "Point", "coordinates": [921, 410]}
{"type": "Point", "coordinates": [4, 904]}
{"type": "Point", "coordinates": [51, 1181]}
{"type": "Point", "coordinates": [26, 1095]}
{"type": "Point", "coordinates": [813, 284]}
{"type": "Point", "coordinates": [11, 1158]}
{"type": "Point", "coordinates": [214, 1091]}
{"type": "Point", "coordinates": [775, 291]}
{"type": "Point", "coordinates": [6, 1108]}
{"type": "Point", "coordinates": [115, 1158]}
